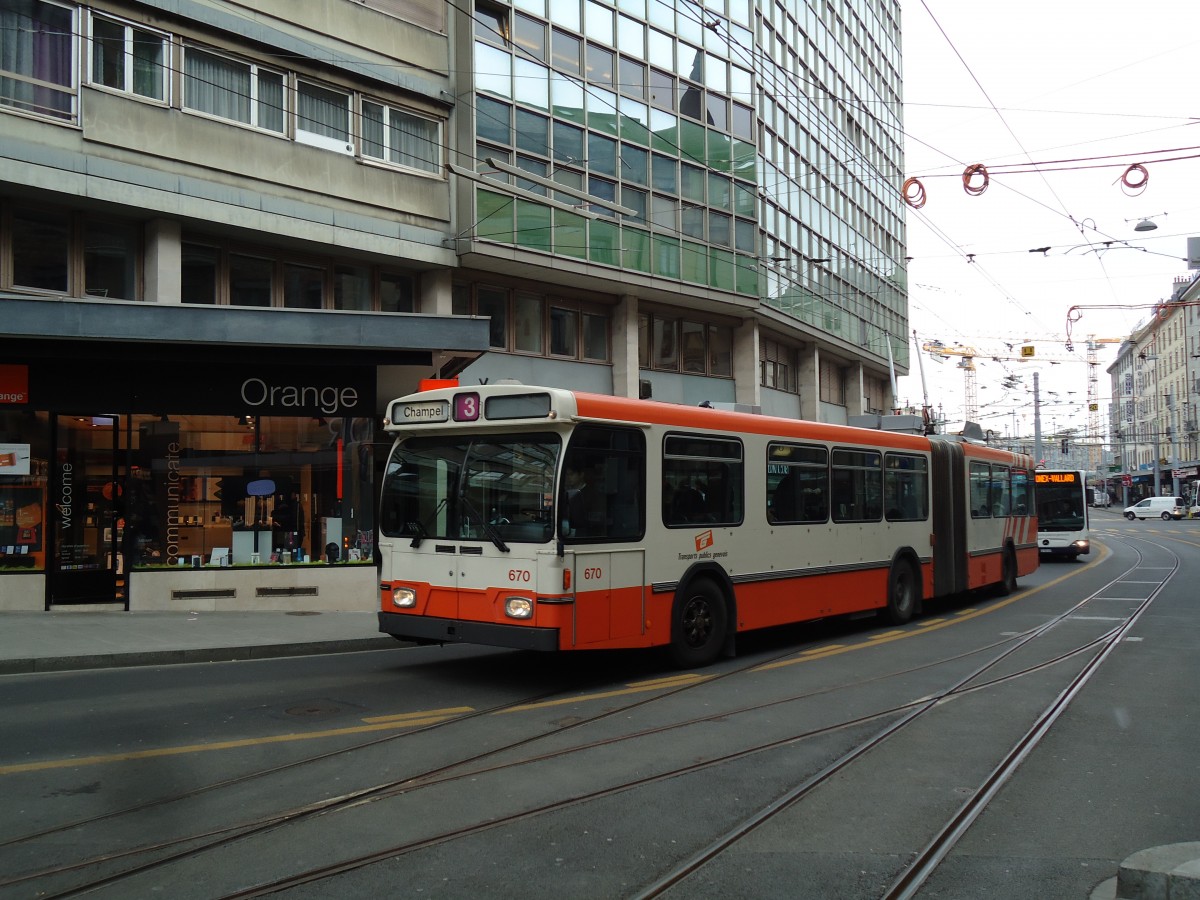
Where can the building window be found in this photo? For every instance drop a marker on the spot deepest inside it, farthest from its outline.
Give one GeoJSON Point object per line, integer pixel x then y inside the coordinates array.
{"type": "Point", "coordinates": [394, 136]}
{"type": "Point", "coordinates": [778, 365]}
{"type": "Point", "coordinates": [234, 90]}
{"type": "Point", "coordinates": [69, 253]}
{"type": "Point", "coordinates": [37, 72]}
{"type": "Point", "coordinates": [251, 280]}
{"type": "Point", "coordinates": [130, 59]}
{"type": "Point", "coordinates": [530, 308]}
{"type": "Point", "coordinates": [110, 260]}
{"type": "Point", "coordinates": [240, 276]}
{"type": "Point", "coordinates": [833, 383]}
{"type": "Point", "coordinates": [41, 250]}
{"type": "Point", "coordinates": [323, 117]}
{"type": "Point", "coordinates": [303, 287]}
{"type": "Point", "coordinates": [524, 322]}
{"type": "Point", "coordinates": [675, 345]}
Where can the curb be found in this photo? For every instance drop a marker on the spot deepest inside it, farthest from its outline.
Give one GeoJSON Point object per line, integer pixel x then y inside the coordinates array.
{"type": "Point", "coordinates": [34, 665]}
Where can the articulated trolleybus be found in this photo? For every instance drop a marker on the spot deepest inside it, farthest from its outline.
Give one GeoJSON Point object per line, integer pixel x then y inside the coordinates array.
{"type": "Point", "coordinates": [1062, 511]}
{"type": "Point", "coordinates": [546, 519]}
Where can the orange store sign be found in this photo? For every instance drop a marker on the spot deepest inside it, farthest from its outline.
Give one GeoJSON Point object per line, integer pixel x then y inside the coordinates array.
{"type": "Point", "coordinates": [14, 384]}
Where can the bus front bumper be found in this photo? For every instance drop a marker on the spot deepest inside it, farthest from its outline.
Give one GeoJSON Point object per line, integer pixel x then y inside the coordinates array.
{"type": "Point", "coordinates": [426, 629]}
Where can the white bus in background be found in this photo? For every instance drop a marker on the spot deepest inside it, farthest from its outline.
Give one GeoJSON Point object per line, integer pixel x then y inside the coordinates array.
{"type": "Point", "coordinates": [1062, 511]}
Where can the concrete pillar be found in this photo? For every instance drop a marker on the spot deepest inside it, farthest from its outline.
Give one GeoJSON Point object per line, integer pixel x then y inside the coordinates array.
{"type": "Point", "coordinates": [747, 380]}
{"type": "Point", "coordinates": [624, 325]}
{"type": "Point", "coordinates": [435, 294]}
{"type": "Point", "coordinates": [164, 261]}
{"type": "Point", "coordinates": [810, 382]}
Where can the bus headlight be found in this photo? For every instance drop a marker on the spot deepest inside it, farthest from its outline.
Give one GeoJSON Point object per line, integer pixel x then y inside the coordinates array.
{"type": "Point", "coordinates": [1082, 547]}
{"type": "Point", "coordinates": [404, 598]}
{"type": "Point", "coordinates": [518, 607]}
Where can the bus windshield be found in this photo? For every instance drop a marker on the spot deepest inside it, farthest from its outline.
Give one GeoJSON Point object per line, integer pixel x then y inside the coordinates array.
{"type": "Point", "coordinates": [484, 488]}
{"type": "Point", "coordinates": [1060, 506]}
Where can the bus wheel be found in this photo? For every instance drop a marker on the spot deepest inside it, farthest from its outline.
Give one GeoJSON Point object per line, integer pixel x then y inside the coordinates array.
{"type": "Point", "coordinates": [903, 593]}
{"type": "Point", "coordinates": [1008, 574]}
{"type": "Point", "coordinates": [699, 621]}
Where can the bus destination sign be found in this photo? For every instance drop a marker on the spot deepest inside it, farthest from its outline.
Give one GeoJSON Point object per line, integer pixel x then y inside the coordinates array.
{"type": "Point", "coordinates": [1056, 477]}
{"type": "Point", "coordinates": [421, 411]}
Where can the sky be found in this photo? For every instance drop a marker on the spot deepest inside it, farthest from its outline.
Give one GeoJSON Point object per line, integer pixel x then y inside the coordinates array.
{"type": "Point", "coordinates": [1057, 99]}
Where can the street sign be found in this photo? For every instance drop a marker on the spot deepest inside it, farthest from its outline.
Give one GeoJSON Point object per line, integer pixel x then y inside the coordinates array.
{"type": "Point", "coordinates": [1177, 473]}
{"type": "Point", "coordinates": [1127, 480]}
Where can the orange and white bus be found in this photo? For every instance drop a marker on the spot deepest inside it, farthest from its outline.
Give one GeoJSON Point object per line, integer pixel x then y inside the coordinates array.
{"type": "Point", "coordinates": [542, 518]}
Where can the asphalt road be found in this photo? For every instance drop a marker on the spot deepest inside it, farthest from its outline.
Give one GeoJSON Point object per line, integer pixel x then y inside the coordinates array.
{"type": "Point", "coordinates": [485, 773]}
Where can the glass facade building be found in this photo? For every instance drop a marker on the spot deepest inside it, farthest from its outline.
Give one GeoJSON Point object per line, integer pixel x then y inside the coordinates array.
{"type": "Point", "coordinates": [749, 148]}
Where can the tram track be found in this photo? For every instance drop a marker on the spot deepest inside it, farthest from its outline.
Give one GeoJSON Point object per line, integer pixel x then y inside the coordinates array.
{"type": "Point", "coordinates": [468, 767]}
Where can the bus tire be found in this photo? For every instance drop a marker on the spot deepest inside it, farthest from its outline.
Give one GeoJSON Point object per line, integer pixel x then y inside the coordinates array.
{"type": "Point", "coordinates": [699, 624]}
{"type": "Point", "coordinates": [1008, 573]}
{"type": "Point", "coordinates": [904, 592]}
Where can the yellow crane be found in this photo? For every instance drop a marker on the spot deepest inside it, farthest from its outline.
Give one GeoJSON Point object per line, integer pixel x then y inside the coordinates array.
{"type": "Point", "coordinates": [967, 355]}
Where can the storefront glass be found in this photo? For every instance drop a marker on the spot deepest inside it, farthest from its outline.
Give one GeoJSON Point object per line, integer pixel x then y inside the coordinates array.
{"type": "Point", "coordinates": [223, 490]}
{"type": "Point", "coordinates": [24, 475]}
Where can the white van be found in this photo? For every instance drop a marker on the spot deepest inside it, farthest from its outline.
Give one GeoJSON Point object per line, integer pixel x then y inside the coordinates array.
{"type": "Point", "coordinates": [1165, 508]}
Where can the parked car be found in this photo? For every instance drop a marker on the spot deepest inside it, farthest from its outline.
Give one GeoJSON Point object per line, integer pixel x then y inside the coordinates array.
{"type": "Point", "coordinates": [1165, 508]}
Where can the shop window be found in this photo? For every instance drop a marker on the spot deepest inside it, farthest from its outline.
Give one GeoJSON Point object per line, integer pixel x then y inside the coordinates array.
{"type": "Point", "coordinates": [204, 490]}
{"type": "Point", "coordinates": [37, 69]}
{"type": "Point", "coordinates": [323, 117]}
{"type": "Point", "coordinates": [41, 250]}
{"type": "Point", "coordinates": [24, 475]}
{"type": "Point", "coordinates": [232, 89]}
{"type": "Point", "coordinates": [128, 58]}
{"type": "Point", "coordinates": [399, 137]}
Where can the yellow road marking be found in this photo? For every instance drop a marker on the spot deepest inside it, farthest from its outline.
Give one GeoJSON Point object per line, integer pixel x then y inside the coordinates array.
{"type": "Point", "coordinates": [403, 718]}
{"type": "Point", "coordinates": [638, 688]}
{"type": "Point", "coordinates": [218, 745]}
{"type": "Point", "coordinates": [433, 717]}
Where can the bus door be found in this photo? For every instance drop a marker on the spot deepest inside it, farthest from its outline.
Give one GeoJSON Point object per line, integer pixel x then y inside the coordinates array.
{"type": "Point", "coordinates": [950, 557]}
{"type": "Point", "coordinates": [86, 518]}
{"type": "Point", "coordinates": [610, 594]}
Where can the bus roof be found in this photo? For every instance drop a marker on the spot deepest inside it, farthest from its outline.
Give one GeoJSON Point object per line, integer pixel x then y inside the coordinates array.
{"type": "Point", "coordinates": [509, 405]}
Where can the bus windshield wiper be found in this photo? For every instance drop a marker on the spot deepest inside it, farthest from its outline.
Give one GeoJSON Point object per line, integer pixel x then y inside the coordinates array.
{"type": "Point", "coordinates": [488, 528]}
{"type": "Point", "coordinates": [418, 528]}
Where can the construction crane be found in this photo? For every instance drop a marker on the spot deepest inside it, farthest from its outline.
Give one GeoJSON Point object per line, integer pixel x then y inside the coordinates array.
{"type": "Point", "coordinates": [967, 363]}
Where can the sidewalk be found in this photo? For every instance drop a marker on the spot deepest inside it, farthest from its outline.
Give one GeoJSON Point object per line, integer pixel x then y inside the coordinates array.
{"type": "Point", "coordinates": [99, 639]}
